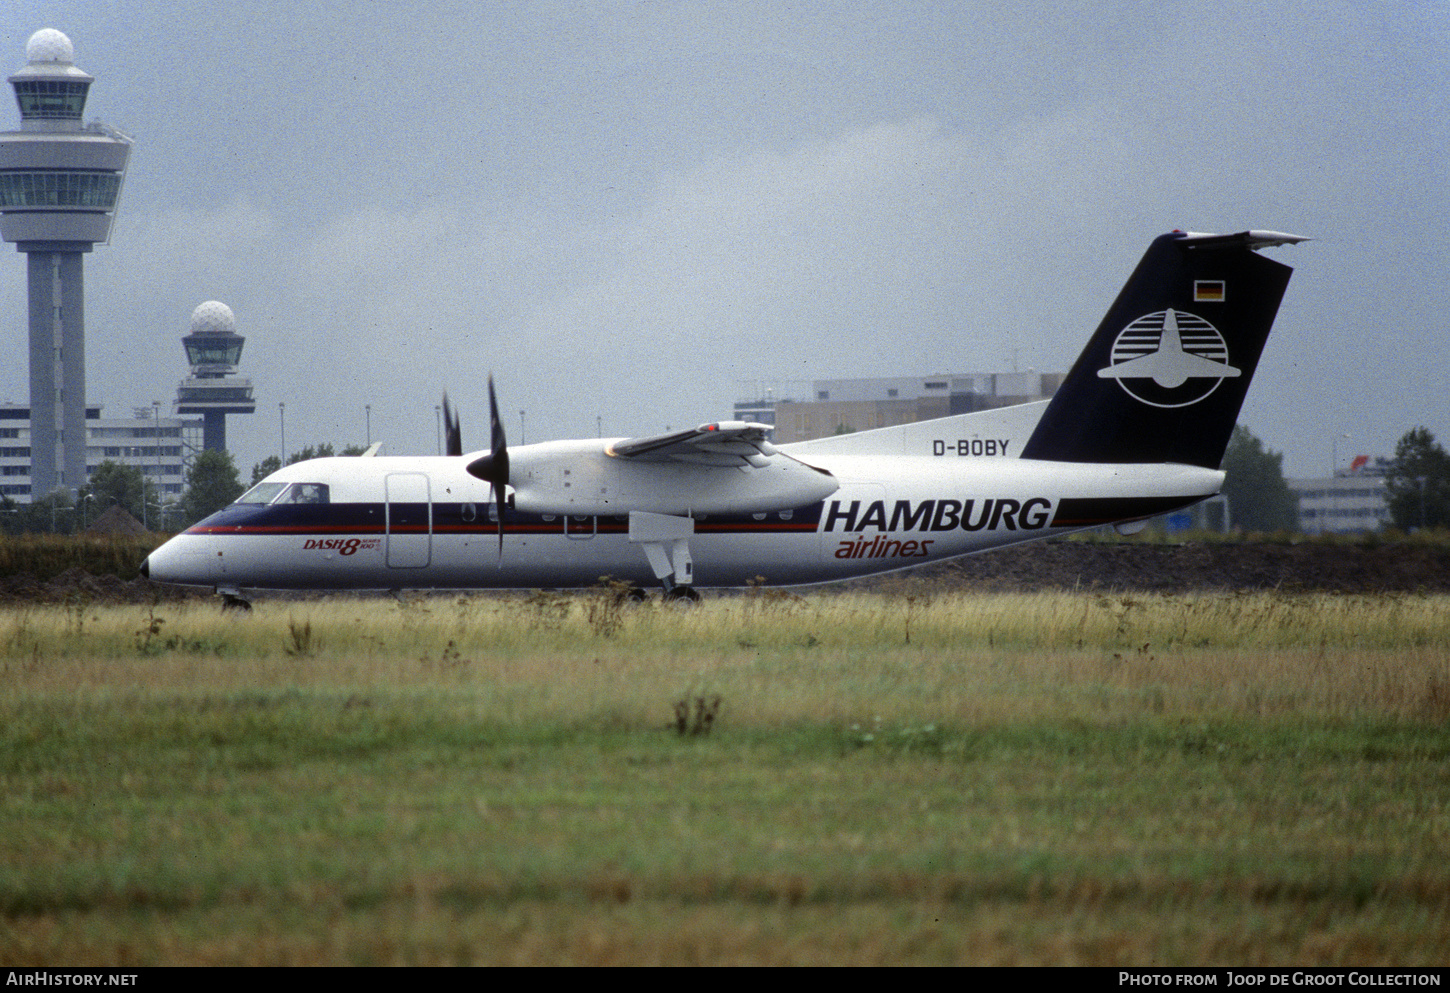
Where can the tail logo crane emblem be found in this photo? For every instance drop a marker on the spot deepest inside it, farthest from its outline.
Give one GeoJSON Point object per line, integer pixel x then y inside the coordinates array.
{"type": "Point", "coordinates": [1169, 359]}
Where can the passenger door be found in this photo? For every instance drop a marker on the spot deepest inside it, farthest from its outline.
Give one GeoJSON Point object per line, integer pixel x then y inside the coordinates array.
{"type": "Point", "coordinates": [409, 520]}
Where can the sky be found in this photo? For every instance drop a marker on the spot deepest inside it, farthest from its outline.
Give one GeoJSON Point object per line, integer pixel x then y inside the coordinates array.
{"type": "Point", "coordinates": [633, 214]}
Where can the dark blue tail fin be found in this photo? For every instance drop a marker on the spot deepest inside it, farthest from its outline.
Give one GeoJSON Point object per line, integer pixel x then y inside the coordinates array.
{"type": "Point", "coordinates": [1165, 374]}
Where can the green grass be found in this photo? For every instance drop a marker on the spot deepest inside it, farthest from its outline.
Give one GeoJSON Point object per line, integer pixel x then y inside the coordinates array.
{"type": "Point", "coordinates": [1049, 779]}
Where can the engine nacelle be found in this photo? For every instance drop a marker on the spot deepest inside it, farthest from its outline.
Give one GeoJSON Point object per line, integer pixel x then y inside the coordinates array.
{"type": "Point", "coordinates": [581, 477]}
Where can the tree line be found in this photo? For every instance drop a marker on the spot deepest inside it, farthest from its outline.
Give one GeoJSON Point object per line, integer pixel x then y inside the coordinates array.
{"type": "Point", "coordinates": [212, 482]}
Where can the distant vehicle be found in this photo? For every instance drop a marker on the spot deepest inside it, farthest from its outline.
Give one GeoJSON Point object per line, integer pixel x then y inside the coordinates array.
{"type": "Point", "coordinates": [1138, 428]}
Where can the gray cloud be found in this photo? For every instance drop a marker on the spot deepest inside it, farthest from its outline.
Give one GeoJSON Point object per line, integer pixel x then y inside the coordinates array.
{"type": "Point", "coordinates": [626, 210]}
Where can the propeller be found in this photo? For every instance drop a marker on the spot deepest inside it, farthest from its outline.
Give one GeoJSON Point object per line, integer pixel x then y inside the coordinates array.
{"type": "Point", "coordinates": [493, 468]}
{"type": "Point", "coordinates": [455, 433]}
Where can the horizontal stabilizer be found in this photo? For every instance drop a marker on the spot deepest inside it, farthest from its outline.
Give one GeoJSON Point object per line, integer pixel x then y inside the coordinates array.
{"type": "Point", "coordinates": [1244, 239]}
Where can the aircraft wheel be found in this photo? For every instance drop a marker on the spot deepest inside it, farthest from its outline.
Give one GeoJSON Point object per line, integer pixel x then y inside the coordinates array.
{"type": "Point", "coordinates": [683, 595]}
{"type": "Point", "coordinates": [231, 601]}
{"type": "Point", "coordinates": [637, 595]}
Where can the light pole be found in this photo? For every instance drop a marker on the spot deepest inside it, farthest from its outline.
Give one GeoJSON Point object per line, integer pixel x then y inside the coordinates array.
{"type": "Point", "coordinates": [368, 415]}
{"type": "Point", "coordinates": [521, 427]}
{"type": "Point", "coordinates": [282, 420]}
{"type": "Point", "coordinates": [1334, 482]}
{"type": "Point", "coordinates": [1334, 469]}
{"type": "Point", "coordinates": [438, 424]}
{"type": "Point", "coordinates": [156, 423]}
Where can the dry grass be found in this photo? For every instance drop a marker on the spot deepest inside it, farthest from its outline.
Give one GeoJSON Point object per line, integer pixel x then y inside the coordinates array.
{"type": "Point", "coordinates": [781, 658]}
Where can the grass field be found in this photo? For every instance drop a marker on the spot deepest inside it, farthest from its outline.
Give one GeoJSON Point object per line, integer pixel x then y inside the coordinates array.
{"type": "Point", "coordinates": [1046, 779]}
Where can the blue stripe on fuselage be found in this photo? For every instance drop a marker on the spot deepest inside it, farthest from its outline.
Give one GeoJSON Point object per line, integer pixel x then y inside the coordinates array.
{"type": "Point", "coordinates": [466, 518]}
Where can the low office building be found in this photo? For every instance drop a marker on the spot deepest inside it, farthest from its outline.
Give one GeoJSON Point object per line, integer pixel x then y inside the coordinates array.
{"type": "Point", "coordinates": [157, 445]}
{"type": "Point", "coordinates": [1352, 501]}
{"type": "Point", "coordinates": [836, 406]}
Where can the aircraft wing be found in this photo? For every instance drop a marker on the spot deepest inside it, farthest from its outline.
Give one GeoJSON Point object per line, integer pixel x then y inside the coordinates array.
{"type": "Point", "coordinates": [727, 443]}
{"type": "Point", "coordinates": [723, 468]}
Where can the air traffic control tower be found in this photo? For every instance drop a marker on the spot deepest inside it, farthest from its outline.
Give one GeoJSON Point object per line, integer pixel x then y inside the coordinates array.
{"type": "Point", "coordinates": [59, 186]}
{"type": "Point", "coordinates": [214, 348]}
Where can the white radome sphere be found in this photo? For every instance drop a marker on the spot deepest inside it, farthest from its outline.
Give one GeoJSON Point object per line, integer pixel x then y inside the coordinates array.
{"type": "Point", "coordinates": [213, 317]}
{"type": "Point", "coordinates": [50, 45]}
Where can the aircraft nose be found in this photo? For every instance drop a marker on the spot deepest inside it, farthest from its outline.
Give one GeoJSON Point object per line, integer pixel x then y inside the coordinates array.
{"type": "Point", "coordinates": [184, 561]}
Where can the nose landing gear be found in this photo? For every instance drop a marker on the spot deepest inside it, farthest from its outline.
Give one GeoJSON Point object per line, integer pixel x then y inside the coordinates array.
{"type": "Point", "coordinates": [232, 599]}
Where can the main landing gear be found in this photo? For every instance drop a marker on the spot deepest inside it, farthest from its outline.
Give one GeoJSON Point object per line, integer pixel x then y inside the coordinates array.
{"type": "Point", "coordinates": [682, 595]}
{"type": "Point", "coordinates": [666, 543]}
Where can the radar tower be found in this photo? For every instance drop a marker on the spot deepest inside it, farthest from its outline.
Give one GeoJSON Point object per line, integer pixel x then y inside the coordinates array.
{"type": "Point", "coordinates": [213, 348]}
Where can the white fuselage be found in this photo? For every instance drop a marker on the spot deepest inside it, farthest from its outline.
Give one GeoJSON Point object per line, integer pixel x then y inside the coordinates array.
{"type": "Point", "coordinates": [424, 522]}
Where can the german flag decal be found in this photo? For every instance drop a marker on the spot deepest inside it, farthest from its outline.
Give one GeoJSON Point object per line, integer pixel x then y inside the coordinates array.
{"type": "Point", "coordinates": [1208, 291]}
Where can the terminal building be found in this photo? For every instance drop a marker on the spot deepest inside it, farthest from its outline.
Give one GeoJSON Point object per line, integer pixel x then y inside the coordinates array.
{"type": "Point", "coordinates": [838, 406]}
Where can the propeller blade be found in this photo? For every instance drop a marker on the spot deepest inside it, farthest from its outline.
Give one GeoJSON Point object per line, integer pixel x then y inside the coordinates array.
{"type": "Point", "coordinates": [493, 468]}
{"type": "Point", "coordinates": [455, 433]}
{"type": "Point", "coordinates": [500, 451]}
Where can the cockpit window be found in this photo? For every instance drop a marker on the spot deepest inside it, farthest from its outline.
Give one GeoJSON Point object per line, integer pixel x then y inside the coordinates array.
{"type": "Point", "coordinates": [305, 493]}
{"type": "Point", "coordinates": [264, 493]}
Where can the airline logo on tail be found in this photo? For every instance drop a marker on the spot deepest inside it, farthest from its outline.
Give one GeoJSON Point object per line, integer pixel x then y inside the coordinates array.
{"type": "Point", "coordinates": [1169, 359]}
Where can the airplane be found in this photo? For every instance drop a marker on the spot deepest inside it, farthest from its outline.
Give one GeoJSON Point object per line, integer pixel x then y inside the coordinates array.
{"type": "Point", "coordinates": [1138, 428]}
